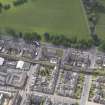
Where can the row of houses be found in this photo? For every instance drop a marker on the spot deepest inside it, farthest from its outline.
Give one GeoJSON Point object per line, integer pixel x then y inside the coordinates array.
{"type": "Point", "coordinates": [13, 79]}
{"type": "Point", "coordinates": [14, 64]}
{"type": "Point", "coordinates": [67, 83]}
{"type": "Point", "coordinates": [20, 48]}
{"type": "Point", "coordinates": [98, 90]}
{"type": "Point", "coordinates": [8, 98]}
{"type": "Point", "coordinates": [77, 58]}
{"type": "Point", "coordinates": [42, 100]}
{"type": "Point", "coordinates": [45, 79]}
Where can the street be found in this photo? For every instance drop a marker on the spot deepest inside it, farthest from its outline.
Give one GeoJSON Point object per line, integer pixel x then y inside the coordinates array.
{"type": "Point", "coordinates": [88, 80]}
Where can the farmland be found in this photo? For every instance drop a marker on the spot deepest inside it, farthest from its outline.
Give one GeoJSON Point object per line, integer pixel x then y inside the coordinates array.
{"type": "Point", "coordinates": [53, 16]}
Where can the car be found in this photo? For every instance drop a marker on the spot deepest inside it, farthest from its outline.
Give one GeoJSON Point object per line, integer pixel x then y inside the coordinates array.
{"type": "Point", "coordinates": [36, 43]}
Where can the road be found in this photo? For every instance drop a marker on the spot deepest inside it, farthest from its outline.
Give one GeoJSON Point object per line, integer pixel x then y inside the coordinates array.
{"type": "Point", "coordinates": [88, 79]}
{"type": "Point", "coordinates": [56, 98]}
{"type": "Point", "coordinates": [27, 90]}
{"type": "Point", "coordinates": [86, 89]}
{"type": "Point", "coordinates": [44, 62]}
{"type": "Point", "coordinates": [92, 103]}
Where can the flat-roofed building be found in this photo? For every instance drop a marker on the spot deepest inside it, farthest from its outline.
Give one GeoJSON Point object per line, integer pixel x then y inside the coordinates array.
{"type": "Point", "coordinates": [8, 98]}
{"type": "Point", "coordinates": [1, 61]}
{"type": "Point", "coordinates": [20, 64]}
{"type": "Point", "coordinates": [23, 65]}
{"type": "Point", "coordinates": [16, 80]}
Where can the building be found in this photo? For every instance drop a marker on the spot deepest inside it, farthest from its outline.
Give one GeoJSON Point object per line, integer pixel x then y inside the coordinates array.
{"type": "Point", "coordinates": [23, 65]}
{"type": "Point", "coordinates": [13, 79]}
{"type": "Point", "coordinates": [7, 98]}
{"type": "Point", "coordinates": [20, 64]}
{"type": "Point", "coordinates": [16, 80]}
{"type": "Point", "coordinates": [1, 61]}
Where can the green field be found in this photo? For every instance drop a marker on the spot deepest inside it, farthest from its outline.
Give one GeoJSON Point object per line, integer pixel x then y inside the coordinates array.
{"type": "Point", "coordinates": [101, 23]}
{"type": "Point", "coordinates": [6, 1]}
{"type": "Point", "coordinates": [53, 16]}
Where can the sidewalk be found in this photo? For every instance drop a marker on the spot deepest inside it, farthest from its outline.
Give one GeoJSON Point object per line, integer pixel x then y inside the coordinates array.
{"type": "Point", "coordinates": [91, 103]}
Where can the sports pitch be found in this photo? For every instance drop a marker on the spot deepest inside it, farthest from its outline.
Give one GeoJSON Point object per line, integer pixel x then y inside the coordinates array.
{"type": "Point", "coordinates": [53, 16]}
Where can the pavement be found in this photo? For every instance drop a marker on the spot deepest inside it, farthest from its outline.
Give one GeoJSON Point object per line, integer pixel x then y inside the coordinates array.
{"type": "Point", "coordinates": [91, 103]}
{"type": "Point", "coordinates": [86, 89]}
{"type": "Point", "coordinates": [53, 97]}
{"type": "Point", "coordinates": [27, 90]}
{"type": "Point", "coordinates": [56, 98]}
{"type": "Point", "coordinates": [88, 80]}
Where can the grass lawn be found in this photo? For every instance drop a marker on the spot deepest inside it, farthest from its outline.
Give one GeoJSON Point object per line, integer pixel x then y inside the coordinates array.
{"type": "Point", "coordinates": [53, 16]}
{"type": "Point", "coordinates": [101, 23]}
{"type": "Point", "coordinates": [6, 1]}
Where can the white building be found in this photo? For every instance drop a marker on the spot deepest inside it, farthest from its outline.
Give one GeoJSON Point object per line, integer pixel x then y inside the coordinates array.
{"type": "Point", "coordinates": [20, 65]}
{"type": "Point", "coordinates": [1, 61]}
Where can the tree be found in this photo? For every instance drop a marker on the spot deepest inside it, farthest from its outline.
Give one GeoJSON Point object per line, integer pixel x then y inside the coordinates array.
{"type": "Point", "coordinates": [29, 37]}
{"type": "Point", "coordinates": [1, 6]}
{"type": "Point", "coordinates": [20, 34]}
{"type": "Point", "coordinates": [19, 2]}
{"type": "Point", "coordinates": [46, 36]}
{"type": "Point", "coordinates": [11, 32]}
{"type": "Point", "coordinates": [7, 6]}
{"type": "Point", "coordinates": [36, 36]}
{"type": "Point", "coordinates": [73, 39]}
{"type": "Point", "coordinates": [102, 46]}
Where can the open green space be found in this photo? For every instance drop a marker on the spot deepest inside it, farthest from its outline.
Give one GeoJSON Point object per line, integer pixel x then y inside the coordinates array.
{"type": "Point", "coordinates": [6, 1]}
{"type": "Point", "coordinates": [53, 16]}
{"type": "Point", "coordinates": [100, 28]}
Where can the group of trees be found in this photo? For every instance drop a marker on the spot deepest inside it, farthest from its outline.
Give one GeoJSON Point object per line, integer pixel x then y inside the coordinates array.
{"type": "Point", "coordinates": [91, 7]}
{"type": "Point", "coordinates": [67, 41]}
{"type": "Point", "coordinates": [4, 7]}
{"type": "Point", "coordinates": [8, 6]}
{"type": "Point", "coordinates": [19, 2]}
{"type": "Point", "coordinates": [30, 37]}
{"type": "Point", "coordinates": [27, 36]}
{"type": "Point", "coordinates": [102, 46]}
{"type": "Point", "coordinates": [59, 40]}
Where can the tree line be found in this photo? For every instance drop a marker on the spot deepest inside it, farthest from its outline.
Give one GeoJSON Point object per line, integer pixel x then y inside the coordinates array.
{"type": "Point", "coordinates": [19, 2]}
{"type": "Point", "coordinates": [93, 9]}
{"type": "Point", "coordinates": [57, 39]}
{"type": "Point", "coordinates": [14, 3]}
{"type": "Point", "coordinates": [67, 41]}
